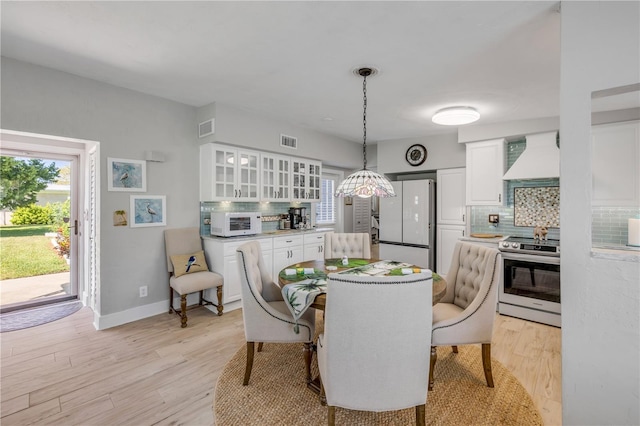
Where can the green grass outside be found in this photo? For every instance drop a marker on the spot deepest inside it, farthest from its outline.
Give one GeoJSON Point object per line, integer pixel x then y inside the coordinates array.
{"type": "Point", "coordinates": [26, 252]}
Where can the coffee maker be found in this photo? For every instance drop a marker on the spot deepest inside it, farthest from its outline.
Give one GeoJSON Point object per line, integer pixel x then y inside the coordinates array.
{"type": "Point", "coordinates": [297, 216]}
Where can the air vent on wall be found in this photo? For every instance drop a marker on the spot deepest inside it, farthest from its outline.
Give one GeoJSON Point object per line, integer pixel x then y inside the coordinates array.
{"type": "Point", "coordinates": [288, 141]}
{"type": "Point", "coordinates": [206, 128]}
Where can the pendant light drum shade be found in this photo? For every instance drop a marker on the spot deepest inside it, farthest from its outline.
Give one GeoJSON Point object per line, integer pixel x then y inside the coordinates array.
{"type": "Point", "coordinates": [365, 183]}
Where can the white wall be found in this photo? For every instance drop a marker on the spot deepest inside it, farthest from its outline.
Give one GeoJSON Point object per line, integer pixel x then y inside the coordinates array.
{"type": "Point", "coordinates": [600, 297]}
{"type": "Point", "coordinates": [480, 132]}
{"type": "Point", "coordinates": [126, 123]}
{"type": "Point", "coordinates": [443, 152]}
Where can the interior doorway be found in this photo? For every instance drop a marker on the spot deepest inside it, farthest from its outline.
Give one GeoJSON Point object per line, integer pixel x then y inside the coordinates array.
{"type": "Point", "coordinates": [81, 159]}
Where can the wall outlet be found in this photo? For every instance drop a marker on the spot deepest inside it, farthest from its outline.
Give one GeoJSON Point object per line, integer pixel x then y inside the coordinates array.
{"type": "Point", "coordinates": [143, 291]}
{"type": "Point", "coordinates": [494, 218]}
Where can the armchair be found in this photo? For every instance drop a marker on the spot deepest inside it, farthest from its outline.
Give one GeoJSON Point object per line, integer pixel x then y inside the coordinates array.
{"type": "Point", "coordinates": [266, 316]}
{"type": "Point", "coordinates": [356, 245]}
{"type": "Point", "coordinates": [466, 313]}
{"type": "Point", "coordinates": [372, 355]}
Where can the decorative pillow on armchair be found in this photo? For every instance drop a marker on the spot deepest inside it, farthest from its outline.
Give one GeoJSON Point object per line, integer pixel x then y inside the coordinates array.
{"type": "Point", "coordinates": [188, 263]}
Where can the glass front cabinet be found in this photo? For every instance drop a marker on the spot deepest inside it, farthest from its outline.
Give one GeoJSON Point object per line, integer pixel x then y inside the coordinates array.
{"type": "Point", "coordinates": [228, 173]}
{"type": "Point", "coordinates": [306, 175]}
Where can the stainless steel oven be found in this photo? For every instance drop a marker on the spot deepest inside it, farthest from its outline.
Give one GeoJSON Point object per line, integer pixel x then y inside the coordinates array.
{"type": "Point", "coordinates": [530, 285]}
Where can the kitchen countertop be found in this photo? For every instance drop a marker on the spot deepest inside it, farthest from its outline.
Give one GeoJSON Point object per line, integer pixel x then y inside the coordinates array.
{"type": "Point", "coordinates": [270, 234]}
{"type": "Point", "coordinates": [484, 240]}
{"type": "Point", "coordinates": [616, 252]}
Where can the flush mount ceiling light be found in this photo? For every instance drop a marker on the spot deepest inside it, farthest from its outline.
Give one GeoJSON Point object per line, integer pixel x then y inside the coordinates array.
{"type": "Point", "coordinates": [365, 183]}
{"type": "Point", "coordinates": [456, 116]}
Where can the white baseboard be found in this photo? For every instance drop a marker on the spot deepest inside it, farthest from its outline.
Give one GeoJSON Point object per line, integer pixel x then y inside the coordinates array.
{"type": "Point", "coordinates": [102, 322]}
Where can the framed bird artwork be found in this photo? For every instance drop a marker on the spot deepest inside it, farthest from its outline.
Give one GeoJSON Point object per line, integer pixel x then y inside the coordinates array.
{"type": "Point", "coordinates": [148, 210]}
{"type": "Point", "coordinates": [126, 175]}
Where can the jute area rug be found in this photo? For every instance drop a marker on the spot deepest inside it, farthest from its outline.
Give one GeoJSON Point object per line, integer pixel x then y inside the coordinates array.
{"type": "Point", "coordinates": [277, 394]}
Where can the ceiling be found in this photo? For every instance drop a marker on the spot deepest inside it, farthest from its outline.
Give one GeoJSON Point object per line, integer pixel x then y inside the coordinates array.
{"type": "Point", "coordinates": [294, 61]}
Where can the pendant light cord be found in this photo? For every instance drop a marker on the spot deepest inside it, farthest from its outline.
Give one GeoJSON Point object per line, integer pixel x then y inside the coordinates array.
{"type": "Point", "coordinates": [364, 122]}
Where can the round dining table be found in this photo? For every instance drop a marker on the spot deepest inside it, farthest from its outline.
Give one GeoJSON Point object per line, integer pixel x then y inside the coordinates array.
{"type": "Point", "coordinates": [320, 271]}
{"type": "Point", "coordinates": [320, 267]}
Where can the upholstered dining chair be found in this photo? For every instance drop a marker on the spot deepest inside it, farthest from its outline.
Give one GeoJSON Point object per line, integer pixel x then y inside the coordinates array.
{"type": "Point", "coordinates": [267, 318]}
{"type": "Point", "coordinates": [466, 313]}
{"type": "Point", "coordinates": [188, 270]}
{"type": "Point", "coordinates": [372, 354]}
{"type": "Point", "coordinates": [338, 244]}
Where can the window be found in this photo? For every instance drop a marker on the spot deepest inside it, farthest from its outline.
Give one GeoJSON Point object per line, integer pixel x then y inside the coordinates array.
{"type": "Point", "coordinates": [330, 210]}
{"type": "Point", "coordinates": [326, 209]}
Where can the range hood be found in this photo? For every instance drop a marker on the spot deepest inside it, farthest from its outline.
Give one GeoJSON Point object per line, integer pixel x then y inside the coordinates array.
{"type": "Point", "coordinates": [540, 159]}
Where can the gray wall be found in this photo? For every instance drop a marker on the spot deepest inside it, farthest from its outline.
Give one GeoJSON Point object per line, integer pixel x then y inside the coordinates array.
{"type": "Point", "coordinates": [126, 124]}
{"type": "Point", "coordinates": [443, 152]}
{"type": "Point", "coordinates": [239, 127]}
{"type": "Point", "coordinates": [600, 296]}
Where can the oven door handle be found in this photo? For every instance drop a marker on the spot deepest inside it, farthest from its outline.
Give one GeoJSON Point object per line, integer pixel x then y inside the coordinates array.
{"type": "Point", "coordinates": [533, 258]}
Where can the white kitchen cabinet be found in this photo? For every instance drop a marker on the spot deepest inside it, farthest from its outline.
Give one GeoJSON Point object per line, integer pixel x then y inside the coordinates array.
{"type": "Point", "coordinates": [287, 250]}
{"type": "Point", "coordinates": [229, 173]}
{"type": "Point", "coordinates": [485, 167]}
{"type": "Point", "coordinates": [446, 238]}
{"type": "Point", "coordinates": [314, 246]}
{"type": "Point", "coordinates": [451, 195]}
{"type": "Point", "coordinates": [306, 179]}
{"type": "Point", "coordinates": [221, 258]}
{"type": "Point", "coordinates": [275, 177]}
{"type": "Point", "coordinates": [615, 164]}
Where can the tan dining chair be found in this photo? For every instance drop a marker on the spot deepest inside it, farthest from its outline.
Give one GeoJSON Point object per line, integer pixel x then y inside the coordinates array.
{"type": "Point", "coordinates": [339, 244]}
{"type": "Point", "coordinates": [372, 354]}
{"type": "Point", "coordinates": [466, 313]}
{"type": "Point", "coordinates": [188, 270]}
{"type": "Point", "coordinates": [267, 318]}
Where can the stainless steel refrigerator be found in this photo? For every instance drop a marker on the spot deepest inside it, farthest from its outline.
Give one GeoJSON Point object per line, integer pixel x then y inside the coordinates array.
{"type": "Point", "coordinates": [407, 227]}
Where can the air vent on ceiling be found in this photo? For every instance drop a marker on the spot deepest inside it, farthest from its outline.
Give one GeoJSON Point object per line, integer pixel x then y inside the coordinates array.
{"type": "Point", "coordinates": [206, 128]}
{"type": "Point", "coordinates": [288, 141]}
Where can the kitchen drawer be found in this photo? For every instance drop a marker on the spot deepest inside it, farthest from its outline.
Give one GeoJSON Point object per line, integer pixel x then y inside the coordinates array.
{"type": "Point", "coordinates": [288, 241]}
{"type": "Point", "coordinates": [314, 238]}
{"type": "Point", "coordinates": [231, 247]}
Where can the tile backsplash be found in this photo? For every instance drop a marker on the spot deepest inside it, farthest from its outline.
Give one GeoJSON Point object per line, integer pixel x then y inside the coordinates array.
{"type": "Point", "coordinates": [480, 223]}
{"type": "Point", "coordinates": [610, 224]}
{"type": "Point", "coordinates": [537, 206]}
{"type": "Point", "coordinates": [267, 209]}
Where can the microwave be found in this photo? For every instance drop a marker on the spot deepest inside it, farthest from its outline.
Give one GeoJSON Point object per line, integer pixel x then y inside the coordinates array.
{"type": "Point", "coordinates": [233, 224]}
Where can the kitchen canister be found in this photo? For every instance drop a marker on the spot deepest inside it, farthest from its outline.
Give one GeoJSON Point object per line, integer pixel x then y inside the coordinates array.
{"type": "Point", "coordinates": [634, 231]}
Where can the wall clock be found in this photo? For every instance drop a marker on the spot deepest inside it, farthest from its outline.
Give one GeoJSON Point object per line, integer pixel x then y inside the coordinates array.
{"type": "Point", "coordinates": [416, 154]}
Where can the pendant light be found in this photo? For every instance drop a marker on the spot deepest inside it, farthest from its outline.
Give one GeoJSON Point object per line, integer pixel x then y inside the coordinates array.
{"type": "Point", "coordinates": [365, 183]}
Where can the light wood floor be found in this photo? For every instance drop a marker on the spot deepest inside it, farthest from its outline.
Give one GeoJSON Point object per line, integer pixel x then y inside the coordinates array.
{"type": "Point", "coordinates": [153, 372]}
